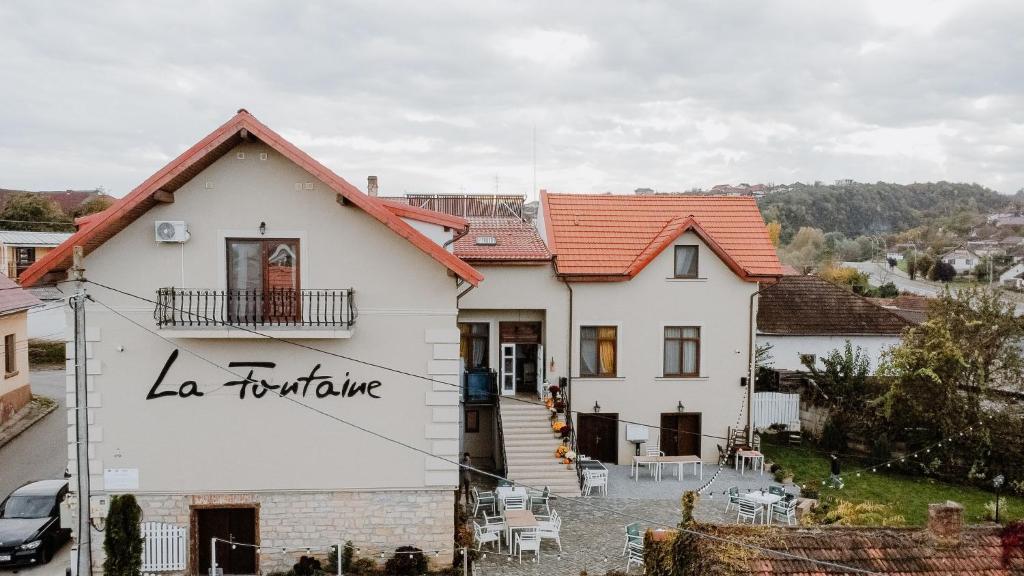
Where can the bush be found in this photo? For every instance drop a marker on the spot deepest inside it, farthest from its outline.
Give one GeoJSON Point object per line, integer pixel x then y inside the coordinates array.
{"type": "Point", "coordinates": [990, 509]}
{"type": "Point", "coordinates": [306, 566]}
{"type": "Point", "coordinates": [833, 435]}
{"type": "Point", "coordinates": [407, 561]}
{"type": "Point", "coordinates": [122, 539]}
{"type": "Point", "coordinates": [363, 567]}
{"type": "Point", "coordinates": [781, 474]}
{"type": "Point", "coordinates": [45, 352]}
{"type": "Point", "coordinates": [810, 492]}
{"type": "Point", "coordinates": [881, 451]}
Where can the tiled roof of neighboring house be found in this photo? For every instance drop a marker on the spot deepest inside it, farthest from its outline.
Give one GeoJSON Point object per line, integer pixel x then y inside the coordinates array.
{"type": "Point", "coordinates": [25, 238]}
{"type": "Point", "coordinates": [790, 270]}
{"type": "Point", "coordinates": [96, 229]}
{"type": "Point", "coordinates": [893, 551]}
{"type": "Point", "coordinates": [514, 241]}
{"type": "Point", "coordinates": [46, 293]}
{"type": "Point", "coordinates": [14, 298]}
{"type": "Point", "coordinates": [809, 305]}
{"type": "Point", "coordinates": [911, 307]}
{"type": "Point", "coordinates": [68, 200]}
{"type": "Point", "coordinates": [615, 236]}
{"type": "Point", "coordinates": [425, 215]}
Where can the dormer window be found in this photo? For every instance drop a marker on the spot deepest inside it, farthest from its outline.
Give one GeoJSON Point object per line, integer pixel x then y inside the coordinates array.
{"type": "Point", "coordinates": [686, 262]}
{"type": "Point", "coordinates": [486, 241]}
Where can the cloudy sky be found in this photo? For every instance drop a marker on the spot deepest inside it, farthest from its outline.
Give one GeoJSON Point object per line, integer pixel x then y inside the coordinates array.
{"type": "Point", "coordinates": [441, 96]}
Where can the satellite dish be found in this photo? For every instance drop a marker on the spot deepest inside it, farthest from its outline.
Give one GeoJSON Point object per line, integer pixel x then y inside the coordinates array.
{"type": "Point", "coordinates": [165, 231]}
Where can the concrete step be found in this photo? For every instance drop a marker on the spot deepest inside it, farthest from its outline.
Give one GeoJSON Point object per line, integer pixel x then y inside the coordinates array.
{"type": "Point", "coordinates": [549, 442]}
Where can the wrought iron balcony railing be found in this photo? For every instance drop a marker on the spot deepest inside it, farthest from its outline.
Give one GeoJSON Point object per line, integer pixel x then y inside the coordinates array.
{"type": "Point", "coordinates": [198, 308]}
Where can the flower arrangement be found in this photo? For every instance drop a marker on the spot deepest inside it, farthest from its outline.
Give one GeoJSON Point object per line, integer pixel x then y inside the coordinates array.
{"type": "Point", "coordinates": [557, 425]}
{"type": "Point", "coordinates": [554, 389]}
{"type": "Point", "coordinates": [570, 455]}
{"type": "Point", "coordinates": [549, 402]}
{"type": "Point", "coordinates": [561, 451]}
{"type": "Point", "coordinates": [559, 406]}
{"type": "Point", "coordinates": [565, 432]}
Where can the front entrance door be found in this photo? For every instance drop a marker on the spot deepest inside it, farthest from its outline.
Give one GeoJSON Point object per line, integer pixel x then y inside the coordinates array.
{"type": "Point", "coordinates": [597, 436]}
{"type": "Point", "coordinates": [680, 434]}
{"type": "Point", "coordinates": [232, 525]}
{"type": "Point", "coordinates": [508, 369]}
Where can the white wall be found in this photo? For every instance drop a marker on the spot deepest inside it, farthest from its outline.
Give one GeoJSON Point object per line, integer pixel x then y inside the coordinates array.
{"type": "Point", "coordinates": [47, 322]}
{"type": "Point", "coordinates": [786, 350]}
{"type": "Point", "coordinates": [219, 442]}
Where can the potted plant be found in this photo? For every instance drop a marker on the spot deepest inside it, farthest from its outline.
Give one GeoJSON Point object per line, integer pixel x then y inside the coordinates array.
{"type": "Point", "coordinates": [783, 476]}
{"type": "Point", "coordinates": [554, 389]}
{"type": "Point", "coordinates": [569, 457]}
{"type": "Point", "coordinates": [559, 406]}
{"type": "Point", "coordinates": [565, 433]}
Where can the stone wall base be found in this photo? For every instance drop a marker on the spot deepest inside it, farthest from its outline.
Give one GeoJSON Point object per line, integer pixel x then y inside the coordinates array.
{"type": "Point", "coordinates": [375, 522]}
{"type": "Point", "coordinates": [11, 402]}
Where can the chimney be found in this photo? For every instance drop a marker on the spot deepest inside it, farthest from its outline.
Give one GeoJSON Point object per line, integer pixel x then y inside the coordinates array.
{"type": "Point", "coordinates": [945, 519]}
{"type": "Point", "coordinates": [371, 185]}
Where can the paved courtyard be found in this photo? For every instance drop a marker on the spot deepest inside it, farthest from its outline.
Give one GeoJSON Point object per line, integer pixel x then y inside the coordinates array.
{"type": "Point", "coordinates": [593, 529]}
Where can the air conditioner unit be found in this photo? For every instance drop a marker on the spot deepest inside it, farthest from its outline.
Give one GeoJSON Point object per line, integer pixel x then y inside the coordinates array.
{"type": "Point", "coordinates": [171, 231]}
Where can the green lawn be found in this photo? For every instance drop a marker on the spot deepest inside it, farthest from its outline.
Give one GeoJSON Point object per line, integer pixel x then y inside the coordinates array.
{"type": "Point", "coordinates": [909, 496]}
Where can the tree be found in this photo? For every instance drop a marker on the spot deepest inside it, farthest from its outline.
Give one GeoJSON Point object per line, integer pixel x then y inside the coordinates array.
{"type": "Point", "coordinates": [93, 205]}
{"type": "Point", "coordinates": [942, 271]}
{"type": "Point", "coordinates": [34, 212]}
{"type": "Point", "coordinates": [122, 538]}
{"type": "Point", "coordinates": [912, 266]}
{"type": "Point", "coordinates": [774, 233]}
{"type": "Point", "coordinates": [923, 263]}
{"type": "Point", "coordinates": [805, 251]}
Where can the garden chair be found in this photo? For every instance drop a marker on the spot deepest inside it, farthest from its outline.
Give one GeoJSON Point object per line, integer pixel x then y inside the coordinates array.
{"type": "Point", "coordinates": [652, 467]}
{"type": "Point", "coordinates": [734, 498]}
{"type": "Point", "coordinates": [633, 535]}
{"type": "Point", "coordinates": [785, 511]}
{"type": "Point", "coordinates": [595, 480]}
{"type": "Point", "coordinates": [515, 503]}
{"type": "Point", "coordinates": [777, 490]}
{"type": "Point", "coordinates": [636, 556]}
{"type": "Point", "coordinates": [485, 534]}
{"type": "Point", "coordinates": [541, 499]}
{"type": "Point", "coordinates": [495, 523]}
{"type": "Point", "coordinates": [504, 482]}
{"type": "Point", "coordinates": [550, 527]}
{"type": "Point", "coordinates": [749, 510]}
{"type": "Point", "coordinates": [528, 540]}
{"type": "Point", "coordinates": [756, 442]}
{"type": "Point", "coordinates": [482, 500]}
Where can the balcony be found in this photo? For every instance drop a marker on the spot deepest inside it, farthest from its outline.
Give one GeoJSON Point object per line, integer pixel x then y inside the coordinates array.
{"type": "Point", "coordinates": [251, 313]}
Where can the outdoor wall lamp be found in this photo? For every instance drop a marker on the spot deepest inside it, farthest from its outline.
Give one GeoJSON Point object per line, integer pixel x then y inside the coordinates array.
{"type": "Point", "coordinates": [263, 228]}
{"type": "Point", "coordinates": [597, 407]}
{"type": "Point", "coordinates": [680, 408]}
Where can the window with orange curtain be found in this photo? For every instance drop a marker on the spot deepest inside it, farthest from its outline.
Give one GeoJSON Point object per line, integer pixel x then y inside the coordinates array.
{"type": "Point", "coordinates": [598, 346]}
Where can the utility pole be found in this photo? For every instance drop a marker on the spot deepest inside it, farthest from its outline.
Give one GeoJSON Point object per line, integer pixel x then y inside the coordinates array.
{"type": "Point", "coordinates": [81, 417]}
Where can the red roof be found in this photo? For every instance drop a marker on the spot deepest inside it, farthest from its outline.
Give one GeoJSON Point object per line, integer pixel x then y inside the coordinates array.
{"type": "Point", "coordinates": [13, 298]}
{"type": "Point", "coordinates": [515, 241]}
{"type": "Point", "coordinates": [95, 230]}
{"type": "Point", "coordinates": [424, 215]}
{"type": "Point", "coordinates": [612, 236]}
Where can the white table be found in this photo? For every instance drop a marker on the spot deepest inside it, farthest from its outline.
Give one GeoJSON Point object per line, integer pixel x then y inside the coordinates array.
{"type": "Point", "coordinates": [756, 459]}
{"type": "Point", "coordinates": [518, 520]}
{"type": "Point", "coordinates": [765, 499]}
{"type": "Point", "coordinates": [659, 461]}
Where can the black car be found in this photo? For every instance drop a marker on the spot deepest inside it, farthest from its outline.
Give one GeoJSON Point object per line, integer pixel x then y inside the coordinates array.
{"type": "Point", "coordinates": [30, 529]}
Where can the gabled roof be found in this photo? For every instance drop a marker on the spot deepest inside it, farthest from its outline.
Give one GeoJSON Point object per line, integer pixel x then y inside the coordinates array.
{"type": "Point", "coordinates": [515, 241]}
{"type": "Point", "coordinates": [615, 236]}
{"type": "Point", "coordinates": [28, 238]}
{"type": "Point", "coordinates": [809, 305]}
{"type": "Point", "coordinates": [424, 215]}
{"type": "Point", "coordinates": [98, 228]}
{"type": "Point", "coordinates": [14, 298]}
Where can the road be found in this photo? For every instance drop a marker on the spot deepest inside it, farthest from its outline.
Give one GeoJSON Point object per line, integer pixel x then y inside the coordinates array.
{"type": "Point", "coordinates": [40, 452]}
{"type": "Point", "coordinates": [879, 273]}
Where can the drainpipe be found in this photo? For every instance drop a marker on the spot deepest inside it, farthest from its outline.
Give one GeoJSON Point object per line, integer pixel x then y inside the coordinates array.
{"type": "Point", "coordinates": [455, 237]}
{"type": "Point", "coordinates": [750, 366]}
{"type": "Point", "coordinates": [568, 359]}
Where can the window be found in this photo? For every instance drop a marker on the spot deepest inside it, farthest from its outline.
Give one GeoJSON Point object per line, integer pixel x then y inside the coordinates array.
{"type": "Point", "coordinates": [686, 262]}
{"type": "Point", "coordinates": [598, 350]}
{"type": "Point", "coordinates": [10, 356]}
{"type": "Point", "coordinates": [263, 279]}
{"type": "Point", "coordinates": [808, 359]}
{"type": "Point", "coordinates": [474, 341]}
{"type": "Point", "coordinates": [472, 424]}
{"type": "Point", "coordinates": [682, 351]}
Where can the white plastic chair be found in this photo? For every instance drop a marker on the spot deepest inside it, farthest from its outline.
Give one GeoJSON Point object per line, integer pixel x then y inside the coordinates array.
{"type": "Point", "coordinates": [784, 511]}
{"type": "Point", "coordinates": [653, 467]}
{"type": "Point", "coordinates": [515, 503]}
{"type": "Point", "coordinates": [495, 524]}
{"type": "Point", "coordinates": [485, 500]}
{"type": "Point", "coordinates": [595, 479]}
{"type": "Point", "coordinates": [550, 528]}
{"type": "Point", "coordinates": [528, 540]}
{"type": "Point", "coordinates": [636, 555]}
{"type": "Point", "coordinates": [733, 499]}
{"type": "Point", "coordinates": [633, 535]}
{"type": "Point", "coordinates": [541, 498]}
{"type": "Point", "coordinates": [749, 510]}
{"type": "Point", "coordinates": [486, 534]}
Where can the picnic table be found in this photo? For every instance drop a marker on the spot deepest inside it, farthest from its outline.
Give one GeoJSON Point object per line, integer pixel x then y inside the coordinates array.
{"type": "Point", "coordinates": [518, 520]}
{"type": "Point", "coordinates": [756, 459]}
{"type": "Point", "coordinates": [765, 499]}
{"type": "Point", "coordinates": [659, 461]}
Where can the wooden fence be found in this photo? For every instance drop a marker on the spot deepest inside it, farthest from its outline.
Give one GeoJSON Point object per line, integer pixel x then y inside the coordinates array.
{"type": "Point", "coordinates": [776, 408]}
{"type": "Point", "coordinates": [164, 547]}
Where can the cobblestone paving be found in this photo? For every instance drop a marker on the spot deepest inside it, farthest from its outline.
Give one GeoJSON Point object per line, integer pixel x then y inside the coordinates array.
{"type": "Point", "coordinates": [593, 531]}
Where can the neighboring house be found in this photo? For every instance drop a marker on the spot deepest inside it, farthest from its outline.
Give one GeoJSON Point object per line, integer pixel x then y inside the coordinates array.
{"type": "Point", "coordinates": [1007, 220]}
{"type": "Point", "coordinates": [216, 425]}
{"type": "Point", "coordinates": [962, 259]}
{"type": "Point", "coordinates": [945, 547]}
{"type": "Point", "coordinates": [911, 307]}
{"type": "Point", "coordinates": [1012, 276]}
{"type": "Point", "coordinates": [1011, 241]}
{"type": "Point", "coordinates": [20, 249]}
{"type": "Point", "coordinates": [15, 389]}
{"type": "Point", "coordinates": [69, 201]}
{"type": "Point", "coordinates": [805, 317]}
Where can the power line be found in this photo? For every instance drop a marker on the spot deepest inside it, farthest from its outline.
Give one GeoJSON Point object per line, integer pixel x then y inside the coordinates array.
{"type": "Point", "coordinates": [396, 370]}
{"type": "Point", "coordinates": [571, 501]}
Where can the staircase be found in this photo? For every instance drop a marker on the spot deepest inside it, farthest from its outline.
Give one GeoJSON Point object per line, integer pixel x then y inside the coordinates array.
{"type": "Point", "coordinates": [530, 448]}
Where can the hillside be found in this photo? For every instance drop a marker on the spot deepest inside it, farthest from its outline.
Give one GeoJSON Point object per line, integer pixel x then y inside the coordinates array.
{"type": "Point", "coordinates": [857, 208]}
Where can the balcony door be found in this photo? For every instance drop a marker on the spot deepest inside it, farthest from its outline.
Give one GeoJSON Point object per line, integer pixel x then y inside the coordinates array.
{"type": "Point", "coordinates": [263, 280]}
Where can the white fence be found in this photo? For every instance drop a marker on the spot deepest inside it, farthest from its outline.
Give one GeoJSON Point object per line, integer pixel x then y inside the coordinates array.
{"type": "Point", "coordinates": [164, 547]}
{"type": "Point", "coordinates": [776, 408]}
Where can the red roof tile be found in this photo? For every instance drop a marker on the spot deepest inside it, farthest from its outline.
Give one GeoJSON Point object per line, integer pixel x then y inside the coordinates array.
{"type": "Point", "coordinates": [810, 305]}
{"type": "Point", "coordinates": [616, 235]}
{"type": "Point", "coordinates": [425, 215]}
{"type": "Point", "coordinates": [516, 241]}
{"type": "Point", "coordinates": [13, 298]}
{"type": "Point", "coordinates": [95, 230]}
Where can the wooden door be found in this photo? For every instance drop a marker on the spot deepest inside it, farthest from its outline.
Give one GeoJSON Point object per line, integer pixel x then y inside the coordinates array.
{"type": "Point", "coordinates": [680, 434]}
{"type": "Point", "coordinates": [231, 524]}
{"type": "Point", "coordinates": [597, 436]}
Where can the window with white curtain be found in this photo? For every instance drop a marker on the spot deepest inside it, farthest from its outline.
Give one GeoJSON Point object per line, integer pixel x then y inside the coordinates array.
{"type": "Point", "coordinates": [686, 262]}
{"type": "Point", "coordinates": [682, 351]}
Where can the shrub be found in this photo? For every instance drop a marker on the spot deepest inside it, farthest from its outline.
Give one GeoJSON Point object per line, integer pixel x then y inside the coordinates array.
{"type": "Point", "coordinates": [45, 352]}
{"type": "Point", "coordinates": [881, 451]}
{"type": "Point", "coordinates": [833, 435]}
{"type": "Point", "coordinates": [844, 513]}
{"type": "Point", "coordinates": [122, 539]}
{"type": "Point", "coordinates": [990, 509]}
{"type": "Point", "coordinates": [407, 561]}
{"type": "Point", "coordinates": [781, 474]}
{"type": "Point", "coordinates": [363, 567]}
{"type": "Point", "coordinates": [306, 566]}
{"type": "Point", "coordinates": [346, 556]}
{"type": "Point", "coordinates": [810, 492]}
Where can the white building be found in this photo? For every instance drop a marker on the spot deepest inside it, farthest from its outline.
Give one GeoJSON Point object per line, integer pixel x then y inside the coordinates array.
{"type": "Point", "coordinates": [963, 260]}
{"type": "Point", "coordinates": [804, 318]}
